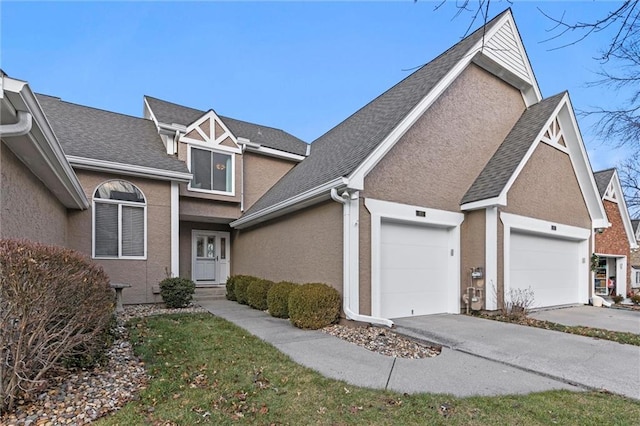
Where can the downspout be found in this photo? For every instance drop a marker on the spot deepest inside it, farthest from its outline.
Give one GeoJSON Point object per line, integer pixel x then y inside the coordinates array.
{"type": "Point", "coordinates": [22, 127]}
{"type": "Point", "coordinates": [348, 264]}
{"type": "Point", "coordinates": [244, 147]}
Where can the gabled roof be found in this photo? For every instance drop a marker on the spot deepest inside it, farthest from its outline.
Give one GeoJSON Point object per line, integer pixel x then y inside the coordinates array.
{"type": "Point", "coordinates": [171, 113]}
{"type": "Point", "coordinates": [108, 136]}
{"type": "Point", "coordinates": [603, 178]}
{"type": "Point", "coordinates": [342, 149]}
{"type": "Point", "coordinates": [494, 177]}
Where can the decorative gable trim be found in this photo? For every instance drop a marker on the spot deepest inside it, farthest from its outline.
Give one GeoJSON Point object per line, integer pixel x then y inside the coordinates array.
{"type": "Point", "coordinates": [610, 193]}
{"type": "Point", "coordinates": [555, 137]}
{"type": "Point", "coordinates": [477, 54]}
{"type": "Point", "coordinates": [210, 131]}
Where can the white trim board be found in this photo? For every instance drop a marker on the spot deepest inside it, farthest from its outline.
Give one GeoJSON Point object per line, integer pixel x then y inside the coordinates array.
{"type": "Point", "coordinates": [127, 169]}
{"type": "Point", "coordinates": [385, 210]}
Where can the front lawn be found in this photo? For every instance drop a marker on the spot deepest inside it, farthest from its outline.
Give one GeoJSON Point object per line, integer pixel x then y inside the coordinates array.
{"type": "Point", "coordinates": [207, 370]}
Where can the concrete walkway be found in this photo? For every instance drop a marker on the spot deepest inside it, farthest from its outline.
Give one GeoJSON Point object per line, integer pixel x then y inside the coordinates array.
{"type": "Point", "coordinates": [583, 361]}
{"type": "Point", "coordinates": [589, 316]}
{"type": "Point", "coordinates": [453, 372]}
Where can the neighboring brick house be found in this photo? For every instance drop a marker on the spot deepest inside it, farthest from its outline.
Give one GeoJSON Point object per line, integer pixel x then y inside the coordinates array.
{"type": "Point", "coordinates": [635, 257]}
{"type": "Point", "coordinates": [614, 244]}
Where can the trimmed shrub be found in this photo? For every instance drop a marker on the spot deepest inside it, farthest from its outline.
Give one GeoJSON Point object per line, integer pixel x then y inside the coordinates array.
{"type": "Point", "coordinates": [314, 306]}
{"type": "Point", "coordinates": [257, 293]}
{"type": "Point", "coordinates": [177, 292]}
{"type": "Point", "coordinates": [636, 299]}
{"type": "Point", "coordinates": [278, 299]}
{"type": "Point", "coordinates": [231, 286]}
{"type": "Point", "coordinates": [617, 299]}
{"type": "Point", "coordinates": [241, 284]}
{"type": "Point", "coordinates": [56, 306]}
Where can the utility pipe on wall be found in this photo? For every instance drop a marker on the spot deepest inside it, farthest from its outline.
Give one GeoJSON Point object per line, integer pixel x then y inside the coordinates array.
{"type": "Point", "coordinates": [348, 263]}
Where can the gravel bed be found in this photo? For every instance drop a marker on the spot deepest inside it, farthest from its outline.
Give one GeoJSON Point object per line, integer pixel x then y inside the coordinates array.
{"type": "Point", "coordinates": [382, 341]}
{"type": "Point", "coordinates": [85, 395]}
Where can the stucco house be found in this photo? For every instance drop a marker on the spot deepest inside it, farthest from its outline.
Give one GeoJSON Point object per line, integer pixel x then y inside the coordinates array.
{"type": "Point", "coordinates": [461, 175]}
{"type": "Point", "coordinates": [613, 245]}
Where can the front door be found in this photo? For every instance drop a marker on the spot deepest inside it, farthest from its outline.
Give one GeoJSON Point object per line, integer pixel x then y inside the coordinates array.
{"type": "Point", "coordinates": [210, 253]}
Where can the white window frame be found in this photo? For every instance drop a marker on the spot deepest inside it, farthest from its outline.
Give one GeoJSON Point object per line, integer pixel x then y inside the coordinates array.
{"type": "Point", "coordinates": [231, 193]}
{"type": "Point", "coordinates": [120, 203]}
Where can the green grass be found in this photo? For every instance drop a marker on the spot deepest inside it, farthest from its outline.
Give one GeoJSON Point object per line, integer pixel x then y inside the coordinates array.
{"type": "Point", "coordinates": [207, 370]}
{"type": "Point", "coordinates": [598, 333]}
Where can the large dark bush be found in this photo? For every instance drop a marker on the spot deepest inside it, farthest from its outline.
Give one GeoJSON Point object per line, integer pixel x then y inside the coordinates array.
{"type": "Point", "coordinates": [177, 292]}
{"type": "Point", "coordinates": [241, 284]}
{"type": "Point", "coordinates": [314, 306]}
{"type": "Point", "coordinates": [278, 299]}
{"type": "Point", "coordinates": [257, 294]}
{"type": "Point", "coordinates": [55, 305]}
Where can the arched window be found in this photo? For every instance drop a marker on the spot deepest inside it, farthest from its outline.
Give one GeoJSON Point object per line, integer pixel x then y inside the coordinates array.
{"type": "Point", "coordinates": [119, 221]}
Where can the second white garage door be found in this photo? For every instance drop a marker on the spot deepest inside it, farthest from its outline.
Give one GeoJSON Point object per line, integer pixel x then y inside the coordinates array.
{"type": "Point", "coordinates": [414, 270]}
{"type": "Point", "coordinates": [550, 266]}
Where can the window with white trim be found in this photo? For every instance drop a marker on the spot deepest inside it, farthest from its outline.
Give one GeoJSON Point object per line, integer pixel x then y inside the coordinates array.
{"type": "Point", "coordinates": [212, 171]}
{"type": "Point", "coordinates": [119, 221]}
{"type": "Point", "coordinates": [638, 277]}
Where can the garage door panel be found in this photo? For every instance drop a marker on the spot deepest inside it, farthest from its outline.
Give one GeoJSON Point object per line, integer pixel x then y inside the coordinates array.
{"type": "Point", "coordinates": [548, 265]}
{"type": "Point", "coordinates": [413, 270]}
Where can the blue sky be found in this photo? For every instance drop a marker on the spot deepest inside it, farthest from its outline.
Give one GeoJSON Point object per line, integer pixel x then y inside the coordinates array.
{"type": "Point", "coordinates": [299, 66]}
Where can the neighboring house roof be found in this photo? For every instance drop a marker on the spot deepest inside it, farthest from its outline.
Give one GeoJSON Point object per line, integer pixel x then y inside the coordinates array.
{"type": "Point", "coordinates": [107, 136]}
{"type": "Point", "coordinates": [603, 178]}
{"type": "Point", "coordinates": [342, 149]}
{"type": "Point", "coordinates": [170, 113]}
{"type": "Point", "coordinates": [503, 164]}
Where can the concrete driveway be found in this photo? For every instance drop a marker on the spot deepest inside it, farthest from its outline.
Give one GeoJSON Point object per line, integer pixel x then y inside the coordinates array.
{"type": "Point", "coordinates": [607, 318]}
{"type": "Point", "coordinates": [578, 360]}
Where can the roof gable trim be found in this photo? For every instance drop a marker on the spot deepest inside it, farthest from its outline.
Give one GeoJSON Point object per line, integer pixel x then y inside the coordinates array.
{"type": "Point", "coordinates": [615, 189]}
{"type": "Point", "coordinates": [209, 130]}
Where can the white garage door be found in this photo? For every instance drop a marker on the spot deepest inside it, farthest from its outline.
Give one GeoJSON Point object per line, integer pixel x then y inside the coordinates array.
{"type": "Point", "coordinates": [548, 265]}
{"type": "Point", "coordinates": [414, 265]}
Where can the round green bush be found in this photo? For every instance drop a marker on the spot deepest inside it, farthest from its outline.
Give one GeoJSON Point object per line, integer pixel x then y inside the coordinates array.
{"type": "Point", "coordinates": [231, 286]}
{"type": "Point", "coordinates": [278, 299]}
{"type": "Point", "coordinates": [314, 306]}
{"type": "Point", "coordinates": [177, 292]}
{"type": "Point", "coordinates": [240, 289]}
{"type": "Point", "coordinates": [257, 294]}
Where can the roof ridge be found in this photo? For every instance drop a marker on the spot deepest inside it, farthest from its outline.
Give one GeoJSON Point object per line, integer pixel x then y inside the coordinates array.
{"type": "Point", "coordinates": [606, 170]}
{"type": "Point", "coordinates": [92, 107]}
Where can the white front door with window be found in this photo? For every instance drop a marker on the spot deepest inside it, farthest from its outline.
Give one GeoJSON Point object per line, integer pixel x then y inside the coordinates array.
{"type": "Point", "coordinates": [210, 257]}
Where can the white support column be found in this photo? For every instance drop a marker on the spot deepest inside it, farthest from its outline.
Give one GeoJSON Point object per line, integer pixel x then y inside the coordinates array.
{"type": "Point", "coordinates": [491, 258]}
{"type": "Point", "coordinates": [175, 229]}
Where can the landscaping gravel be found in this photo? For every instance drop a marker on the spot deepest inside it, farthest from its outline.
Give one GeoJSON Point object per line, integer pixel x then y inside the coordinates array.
{"type": "Point", "coordinates": [86, 395]}
{"type": "Point", "coordinates": [383, 341]}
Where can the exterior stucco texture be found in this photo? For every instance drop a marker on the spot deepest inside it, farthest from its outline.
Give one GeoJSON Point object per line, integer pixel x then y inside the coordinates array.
{"type": "Point", "coordinates": [142, 275]}
{"type": "Point", "coordinates": [27, 208]}
{"type": "Point", "coordinates": [306, 246]}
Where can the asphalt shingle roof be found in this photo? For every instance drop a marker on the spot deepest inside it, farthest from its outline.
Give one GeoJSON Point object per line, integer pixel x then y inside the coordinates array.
{"type": "Point", "coordinates": [603, 177]}
{"type": "Point", "coordinates": [103, 135]}
{"type": "Point", "coordinates": [339, 151]}
{"type": "Point", "coordinates": [170, 113]}
{"type": "Point", "coordinates": [495, 175]}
